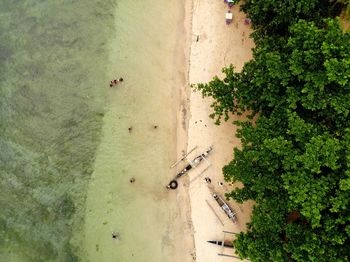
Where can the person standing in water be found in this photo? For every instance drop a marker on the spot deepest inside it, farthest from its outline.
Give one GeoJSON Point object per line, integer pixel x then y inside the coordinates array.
{"type": "Point", "coordinates": [115, 82]}
{"type": "Point", "coordinates": [115, 235]}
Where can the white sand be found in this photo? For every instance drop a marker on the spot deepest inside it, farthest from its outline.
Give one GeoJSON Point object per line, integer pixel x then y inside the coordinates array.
{"type": "Point", "coordinates": [218, 45]}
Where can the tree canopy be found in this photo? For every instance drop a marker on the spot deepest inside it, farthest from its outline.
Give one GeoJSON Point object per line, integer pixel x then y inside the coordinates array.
{"type": "Point", "coordinates": [275, 16]}
{"type": "Point", "coordinates": [295, 158]}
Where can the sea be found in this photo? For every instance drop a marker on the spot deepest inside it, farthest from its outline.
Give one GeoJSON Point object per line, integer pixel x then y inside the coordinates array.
{"type": "Point", "coordinates": [69, 143]}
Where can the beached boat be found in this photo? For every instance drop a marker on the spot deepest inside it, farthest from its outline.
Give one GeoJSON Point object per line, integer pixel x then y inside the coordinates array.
{"type": "Point", "coordinates": [231, 215]}
{"type": "Point", "coordinates": [192, 164]}
{"type": "Point", "coordinates": [228, 244]}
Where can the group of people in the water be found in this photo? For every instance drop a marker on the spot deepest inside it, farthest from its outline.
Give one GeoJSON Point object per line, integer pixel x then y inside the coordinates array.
{"type": "Point", "coordinates": [115, 82]}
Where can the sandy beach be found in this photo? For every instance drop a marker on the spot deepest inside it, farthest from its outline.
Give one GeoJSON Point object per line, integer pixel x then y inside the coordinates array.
{"type": "Point", "coordinates": [213, 45]}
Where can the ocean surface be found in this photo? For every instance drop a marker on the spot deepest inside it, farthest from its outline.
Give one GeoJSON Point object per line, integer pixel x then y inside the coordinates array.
{"type": "Point", "coordinates": [66, 154]}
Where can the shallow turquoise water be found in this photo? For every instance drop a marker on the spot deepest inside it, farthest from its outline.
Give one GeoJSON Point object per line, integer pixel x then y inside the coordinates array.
{"type": "Point", "coordinates": [66, 155]}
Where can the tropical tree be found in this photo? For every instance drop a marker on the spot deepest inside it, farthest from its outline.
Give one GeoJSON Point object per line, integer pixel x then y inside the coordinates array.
{"type": "Point", "coordinates": [274, 16]}
{"type": "Point", "coordinates": [295, 158]}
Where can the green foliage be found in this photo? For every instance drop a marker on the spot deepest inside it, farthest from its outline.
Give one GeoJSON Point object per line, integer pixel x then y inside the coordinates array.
{"type": "Point", "coordinates": [294, 161]}
{"type": "Point", "coordinates": [274, 16]}
{"type": "Point", "coordinates": [223, 92]}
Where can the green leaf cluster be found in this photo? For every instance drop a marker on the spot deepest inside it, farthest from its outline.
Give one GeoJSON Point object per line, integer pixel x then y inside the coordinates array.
{"type": "Point", "coordinates": [274, 16]}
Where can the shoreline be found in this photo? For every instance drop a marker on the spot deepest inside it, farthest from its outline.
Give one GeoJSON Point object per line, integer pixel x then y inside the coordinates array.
{"type": "Point", "coordinates": [182, 95]}
{"type": "Point", "coordinates": [213, 45]}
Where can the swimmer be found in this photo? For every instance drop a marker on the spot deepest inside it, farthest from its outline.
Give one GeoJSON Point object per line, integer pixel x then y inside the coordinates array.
{"type": "Point", "coordinates": [115, 235]}
{"type": "Point", "coordinates": [130, 129]}
{"type": "Point", "coordinates": [132, 180]}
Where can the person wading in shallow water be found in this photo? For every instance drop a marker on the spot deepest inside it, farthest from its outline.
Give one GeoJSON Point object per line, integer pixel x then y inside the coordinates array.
{"type": "Point", "coordinates": [115, 235]}
{"type": "Point", "coordinates": [115, 82]}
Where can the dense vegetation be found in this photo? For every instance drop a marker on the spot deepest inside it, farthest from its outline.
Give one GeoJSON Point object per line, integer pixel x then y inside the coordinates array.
{"type": "Point", "coordinates": [295, 156]}
{"type": "Point", "coordinates": [274, 16]}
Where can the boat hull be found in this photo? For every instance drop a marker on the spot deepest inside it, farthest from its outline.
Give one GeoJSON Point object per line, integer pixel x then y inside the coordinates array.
{"type": "Point", "coordinates": [228, 244]}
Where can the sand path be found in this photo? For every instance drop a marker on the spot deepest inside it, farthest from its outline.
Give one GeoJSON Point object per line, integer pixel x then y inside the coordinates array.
{"type": "Point", "coordinates": [218, 45]}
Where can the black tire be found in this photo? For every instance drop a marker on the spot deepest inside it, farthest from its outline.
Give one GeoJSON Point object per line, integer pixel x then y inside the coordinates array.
{"type": "Point", "coordinates": [173, 184]}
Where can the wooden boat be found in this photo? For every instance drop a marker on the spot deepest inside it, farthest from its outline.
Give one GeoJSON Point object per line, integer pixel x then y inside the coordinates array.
{"type": "Point", "coordinates": [231, 215]}
{"type": "Point", "coordinates": [228, 244]}
{"type": "Point", "coordinates": [192, 164]}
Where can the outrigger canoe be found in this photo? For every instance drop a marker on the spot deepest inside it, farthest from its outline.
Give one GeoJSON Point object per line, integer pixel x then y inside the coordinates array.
{"type": "Point", "coordinates": [228, 244]}
{"type": "Point", "coordinates": [231, 215]}
{"type": "Point", "coordinates": [192, 164]}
